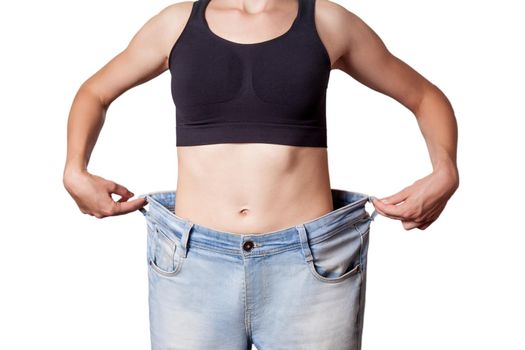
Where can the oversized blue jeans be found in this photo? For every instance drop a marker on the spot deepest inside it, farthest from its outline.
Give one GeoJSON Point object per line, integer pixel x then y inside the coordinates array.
{"type": "Point", "coordinates": [301, 287]}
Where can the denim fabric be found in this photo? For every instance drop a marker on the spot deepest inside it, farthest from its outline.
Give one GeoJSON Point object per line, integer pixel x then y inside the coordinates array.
{"type": "Point", "coordinates": [301, 287]}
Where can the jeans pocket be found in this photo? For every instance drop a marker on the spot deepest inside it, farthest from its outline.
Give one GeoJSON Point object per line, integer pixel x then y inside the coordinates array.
{"type": "Point", "coordinates": [336, 256]}
{"type": "Point", "coordinates": [163, 252]}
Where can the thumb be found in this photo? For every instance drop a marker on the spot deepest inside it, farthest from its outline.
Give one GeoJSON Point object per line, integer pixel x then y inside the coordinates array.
{"type": "Point", "coordinates": [396, 198]}
{"type": "Point", "coordinates": [129, 206]}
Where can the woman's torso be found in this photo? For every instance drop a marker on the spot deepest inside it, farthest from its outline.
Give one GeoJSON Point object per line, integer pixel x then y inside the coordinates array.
{"type": "Point", "coordinates": [251, 187]}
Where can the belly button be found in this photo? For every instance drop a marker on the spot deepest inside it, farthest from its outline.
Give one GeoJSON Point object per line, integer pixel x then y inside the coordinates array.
{"type": "Point", "coordinates": [244, 212]}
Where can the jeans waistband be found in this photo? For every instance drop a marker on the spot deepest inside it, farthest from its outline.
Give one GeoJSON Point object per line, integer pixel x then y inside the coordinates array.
{"type": "Point", "coordinates": [349, 208]}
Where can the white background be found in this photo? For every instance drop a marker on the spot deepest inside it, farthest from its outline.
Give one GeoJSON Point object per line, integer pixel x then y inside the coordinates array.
{"type": "Point", "coordinates": [71, 281]}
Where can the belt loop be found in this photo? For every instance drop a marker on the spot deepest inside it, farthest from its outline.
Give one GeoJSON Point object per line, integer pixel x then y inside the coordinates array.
{"type": "Point", "coordinates": [185, 236]}
{"type": "Point", "coordinates": [374, 213]}
{"type": "Point", "coordinates": [142, 209]}
{"type": "Point", "coordinates": [304, 242]}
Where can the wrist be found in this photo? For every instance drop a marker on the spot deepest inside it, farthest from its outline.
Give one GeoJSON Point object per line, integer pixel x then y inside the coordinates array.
{"type": "Point", "coordinates": [448, 167]}
{"type": "Point", "coordinates": [72, 171]}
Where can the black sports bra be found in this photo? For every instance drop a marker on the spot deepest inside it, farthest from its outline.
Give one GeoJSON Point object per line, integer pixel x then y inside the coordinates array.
{"type": "Point", "coordinates": [272, 91]}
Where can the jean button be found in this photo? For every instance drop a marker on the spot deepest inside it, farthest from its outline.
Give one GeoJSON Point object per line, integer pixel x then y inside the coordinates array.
{"type": "Point", "coordinates": [247, 246]}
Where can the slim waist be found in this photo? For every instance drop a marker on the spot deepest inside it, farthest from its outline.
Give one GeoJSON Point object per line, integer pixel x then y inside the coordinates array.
{"type": "Point", "coordinates": [349, 208]}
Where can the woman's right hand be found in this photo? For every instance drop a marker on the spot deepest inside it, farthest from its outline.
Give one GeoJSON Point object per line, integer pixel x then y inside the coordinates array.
{"type": "Point", "coordinates": [92, 194]}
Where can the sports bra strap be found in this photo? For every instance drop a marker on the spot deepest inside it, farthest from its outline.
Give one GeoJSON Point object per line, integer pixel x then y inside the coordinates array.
{"type": "Point", "coordinates": [305, 12]}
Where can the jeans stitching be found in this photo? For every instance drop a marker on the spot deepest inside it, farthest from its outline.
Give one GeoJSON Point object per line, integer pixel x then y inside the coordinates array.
{"type": "Point", "coordinates": [151, 260]}
{"type": "Point", "coordinates": [329, 234]}
{"type": "Point", "coordinates": [341, 278]}
{"type": "Point", "coordinates": [235, 252]}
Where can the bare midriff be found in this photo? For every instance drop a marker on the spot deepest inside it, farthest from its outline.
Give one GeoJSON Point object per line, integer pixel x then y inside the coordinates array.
{"type": "Point", "coordinates": [252, 188]}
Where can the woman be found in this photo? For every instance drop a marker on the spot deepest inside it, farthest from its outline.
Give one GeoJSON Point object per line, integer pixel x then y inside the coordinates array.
{"type": "Point", "coordinates": [259, 249]}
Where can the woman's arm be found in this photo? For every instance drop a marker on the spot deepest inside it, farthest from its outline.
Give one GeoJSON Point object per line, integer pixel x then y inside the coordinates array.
{"type": "Point", "coordinates": [363, 55]}
{"type": "Point", "coordinates": [143, 59]}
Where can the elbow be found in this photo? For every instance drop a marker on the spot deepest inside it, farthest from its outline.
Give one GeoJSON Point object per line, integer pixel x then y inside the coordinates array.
{"type": "Point", "coordinates": [94, 94]}
{"type": "Point", "coordinates": [429, 94]}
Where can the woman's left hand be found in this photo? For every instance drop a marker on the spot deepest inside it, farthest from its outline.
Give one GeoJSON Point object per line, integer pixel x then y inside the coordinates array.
{"type": "Point", "coordinates": [421, 203]}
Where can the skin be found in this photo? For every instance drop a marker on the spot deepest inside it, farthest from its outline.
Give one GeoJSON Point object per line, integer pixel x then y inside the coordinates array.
{"type": "Point", "coordinates": [257, 188]}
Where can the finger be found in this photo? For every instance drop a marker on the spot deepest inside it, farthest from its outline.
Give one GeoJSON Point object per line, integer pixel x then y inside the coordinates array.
{"type": "Point", "coordinates": [392, 211]}
{"type": "Point", "coordinates": [409, 225]}
{"type": "Point", "coordinates": [430, 217]}
{"type": "Point", "coordinates": [127, 207]}
{"type": "Point", "coordinates": [124, 199]}
{"type": "Point", "coordinates": [379, 208]}
{"type": "Point", "coordinates": [398, 197]}
{"type": "Point", "coordinates": [120, 190]}
{"type": "Point", "coordinates": [432, 214]}
{"type": "Point", "coordinates": [425, 225]}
